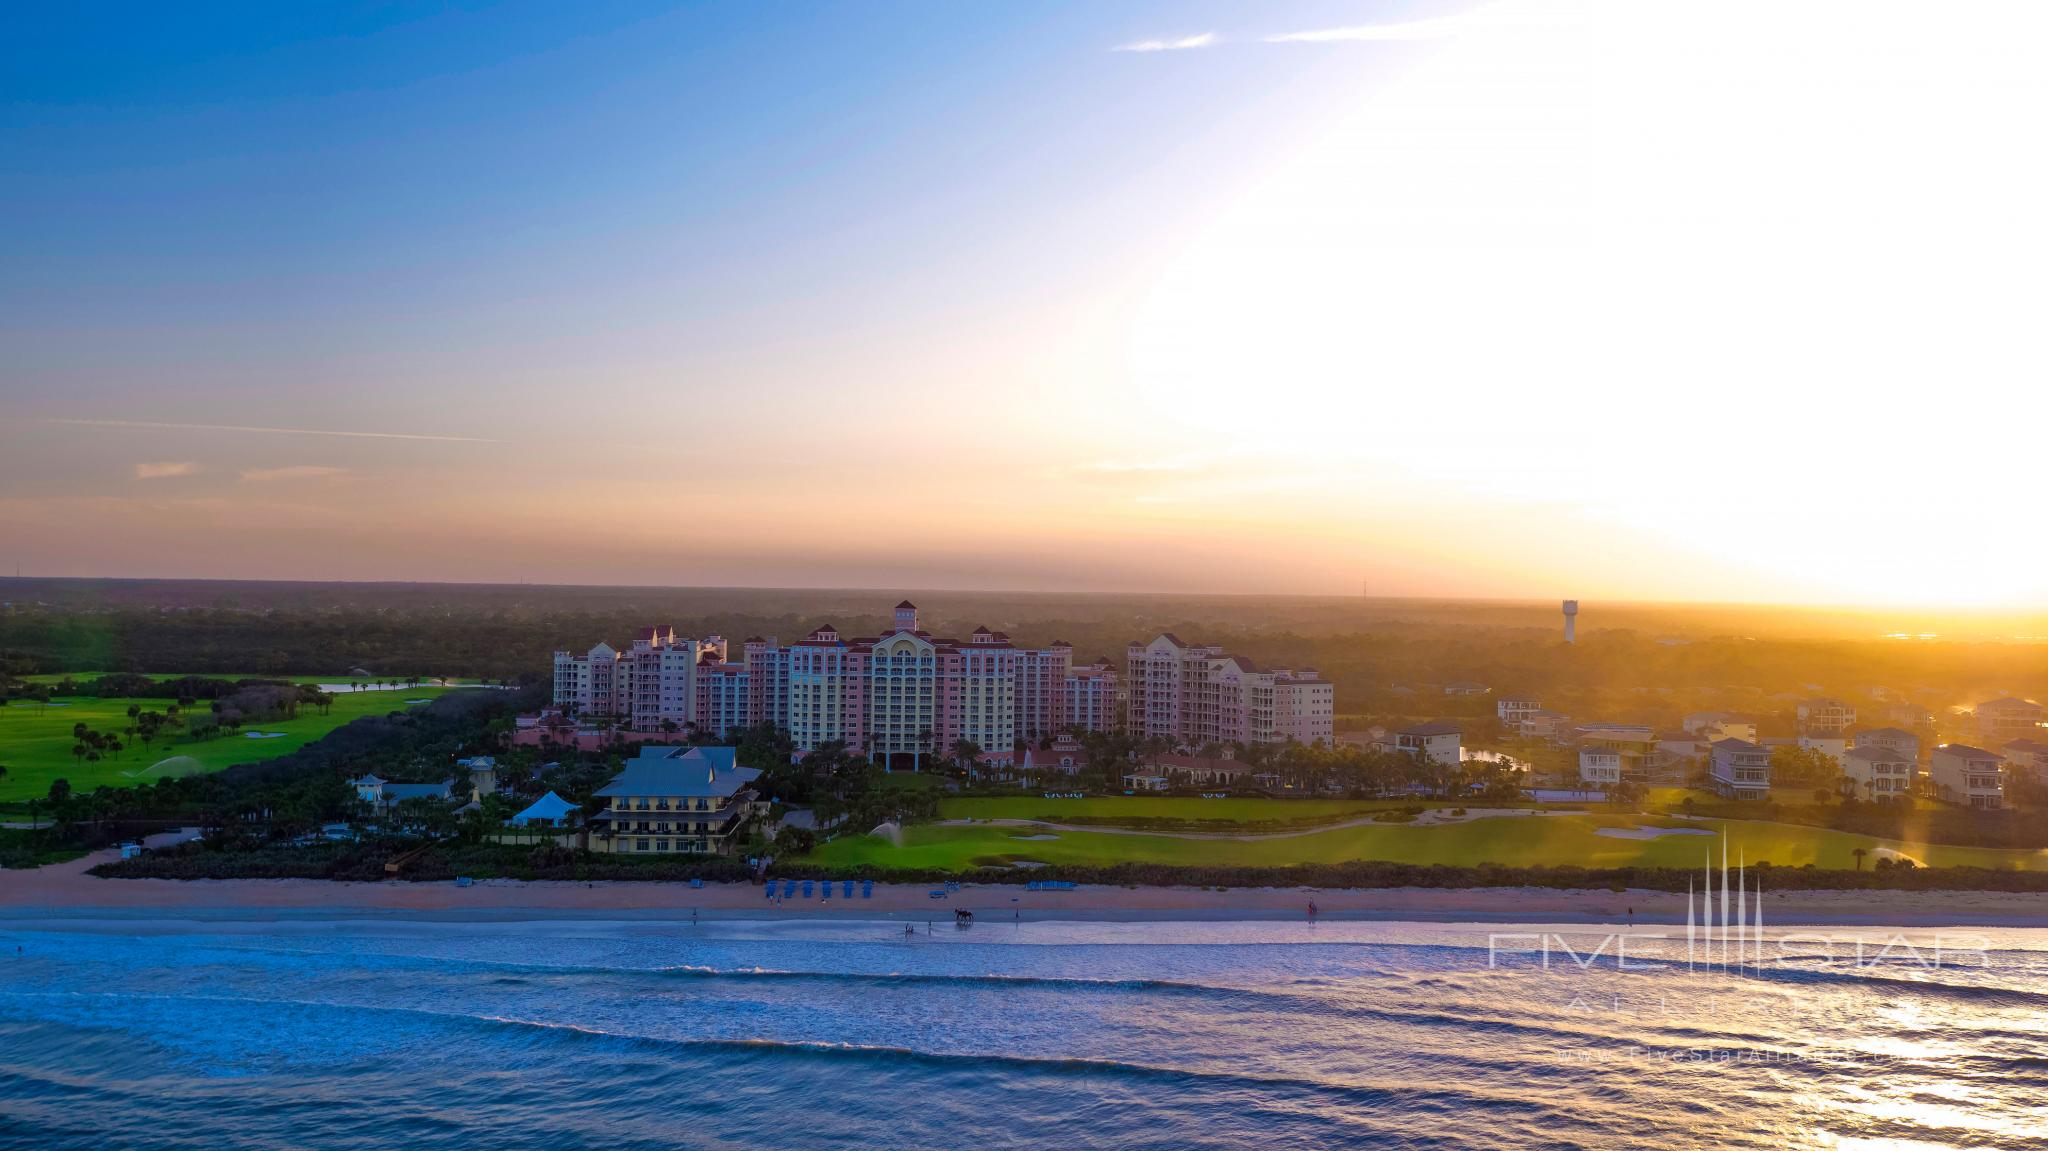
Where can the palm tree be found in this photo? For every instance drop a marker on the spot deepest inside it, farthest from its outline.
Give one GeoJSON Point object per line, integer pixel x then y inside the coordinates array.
{"type": "Point", "coordinates": [1859, 853]}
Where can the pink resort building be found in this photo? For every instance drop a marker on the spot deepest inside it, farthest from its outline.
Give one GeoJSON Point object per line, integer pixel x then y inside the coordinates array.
{"type": "Point", "coordinates": [1196, 695]}
{"type": "Point", "coordinates": [899, 698]}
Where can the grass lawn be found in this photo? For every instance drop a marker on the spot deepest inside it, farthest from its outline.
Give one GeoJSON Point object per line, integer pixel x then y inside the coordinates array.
{"type": "Point", "coordinates": [1527, 841]}
{"type": "Point", "coordinates": [36, 748]}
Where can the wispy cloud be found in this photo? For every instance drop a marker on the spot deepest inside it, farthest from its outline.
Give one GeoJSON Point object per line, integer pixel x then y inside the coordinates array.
{"type": "Point", "coordinates": [1179, 45]}
{"type": "Point", "coordinates": [1126, 467]}
{"type": "Point", "coordinates": [161, 426]}
{"type": "Point", "coordinates": [294, 472]}
{"type": "Point", "coordinates": [165, 471]}
{"type": "Point", "coordinates": [1437, 28]}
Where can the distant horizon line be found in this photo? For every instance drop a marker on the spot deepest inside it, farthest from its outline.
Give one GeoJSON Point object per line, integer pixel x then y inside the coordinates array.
{"type": "Point", "coordinates": [899, 590]}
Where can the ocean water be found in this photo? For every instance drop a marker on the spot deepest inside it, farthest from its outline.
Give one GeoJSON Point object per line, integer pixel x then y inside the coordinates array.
{"type": "Point", "coordinates": [398, 1033]}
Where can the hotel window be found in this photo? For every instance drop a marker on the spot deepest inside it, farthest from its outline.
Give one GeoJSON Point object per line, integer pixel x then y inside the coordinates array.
{"type": "Point", "coordinates": [661, 845]}
{"type": "Point", "coordinates": [640, 845]}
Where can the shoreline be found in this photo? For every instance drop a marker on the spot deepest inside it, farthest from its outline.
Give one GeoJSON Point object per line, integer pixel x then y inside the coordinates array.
{"type": "Point", "coordinates": [65, 891]}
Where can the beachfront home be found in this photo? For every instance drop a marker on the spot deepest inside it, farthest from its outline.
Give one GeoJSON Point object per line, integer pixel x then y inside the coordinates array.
{"type": "Point", "coordinates": [549, 810]}
{"type": "Point", "coordinates": [1959, 773]}
{"type": "Point", "coordinates": [676, 799]}
{"type": "Point", "coordinates": [1740, 769]}
{"type": "Point", "coordinates": [1875, 772]}
{"type": "Point", "coordinates": [1438, 742]}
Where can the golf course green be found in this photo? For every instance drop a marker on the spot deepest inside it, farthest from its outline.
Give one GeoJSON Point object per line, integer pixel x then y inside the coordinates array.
{"type": "Point", "coordinates": [1520, 839]}
{"type": "Point", "coordinates": [36, 741]}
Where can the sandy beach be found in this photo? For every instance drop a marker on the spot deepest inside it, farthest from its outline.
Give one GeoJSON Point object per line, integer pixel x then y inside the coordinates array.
{"type": "Point", "coordinates": [66, 889]}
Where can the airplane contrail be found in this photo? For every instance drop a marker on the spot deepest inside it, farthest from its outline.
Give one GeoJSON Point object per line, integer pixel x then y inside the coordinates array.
{"type": "Point", "coordinates": [275, 431]}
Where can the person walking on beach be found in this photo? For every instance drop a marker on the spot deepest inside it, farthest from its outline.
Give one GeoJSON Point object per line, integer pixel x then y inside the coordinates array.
{"type": "Point", "coordinates": [1311, 909]}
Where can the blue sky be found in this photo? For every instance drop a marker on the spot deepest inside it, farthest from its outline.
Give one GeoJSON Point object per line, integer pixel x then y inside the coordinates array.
{"type": "Point", "coordinates": [963, 295]}
{"type": "Point", "coordinates": [268, 200]}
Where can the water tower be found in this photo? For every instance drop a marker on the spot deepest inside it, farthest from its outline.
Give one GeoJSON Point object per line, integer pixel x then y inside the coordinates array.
{"type": "Point", "coordinates": [1571, 621]}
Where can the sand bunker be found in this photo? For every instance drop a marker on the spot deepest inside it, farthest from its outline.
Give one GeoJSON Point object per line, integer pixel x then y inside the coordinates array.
{"type": "Point", "coordinates": [1648, 832]}
{"type": "Point", "coordinates": [265, 734]}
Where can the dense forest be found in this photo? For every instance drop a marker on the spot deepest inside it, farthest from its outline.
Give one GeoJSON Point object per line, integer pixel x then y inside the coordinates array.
{"type": "Point", "coordinates": [1390, 659]}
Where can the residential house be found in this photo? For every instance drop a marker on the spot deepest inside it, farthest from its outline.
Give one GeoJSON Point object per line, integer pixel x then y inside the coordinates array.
{"type": "Point", "coordinates": [1896, 739]}
{"type": "Point", "coordinates": [1634, 745]}
{"type": "Point", "coordinates": [1438, 742]}
{"type": "Point", "coordinates": [1825, 717]}
{"type": "Point", "coordinates": [1541, 724]}
{"type": "Point", "coordinates": [1716, 725]}
{"type": "Point", "coordinates": [1599, 768]}
{"type": "Point", "coordinates": [2000, 721]}
{"type": "Point", "coordinates": [1832, 746]}
{"type": "Point", "coordinates": [1959, 773]}
{"type": "Point", "coordinates": [1877, 772]}
{"type": "Point", "coordinates": [2027, 757]}
{"type": "Point", "coordinates": [1678, 752]}
{"type": "Point", "coordinates": [1740, 769]}
{"type": "Point", "coordinates": [1511, 710]}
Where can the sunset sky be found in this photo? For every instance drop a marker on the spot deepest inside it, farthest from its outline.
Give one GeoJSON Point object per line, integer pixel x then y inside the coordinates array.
{"type": "Point", "coordinates": [1712, 301]}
